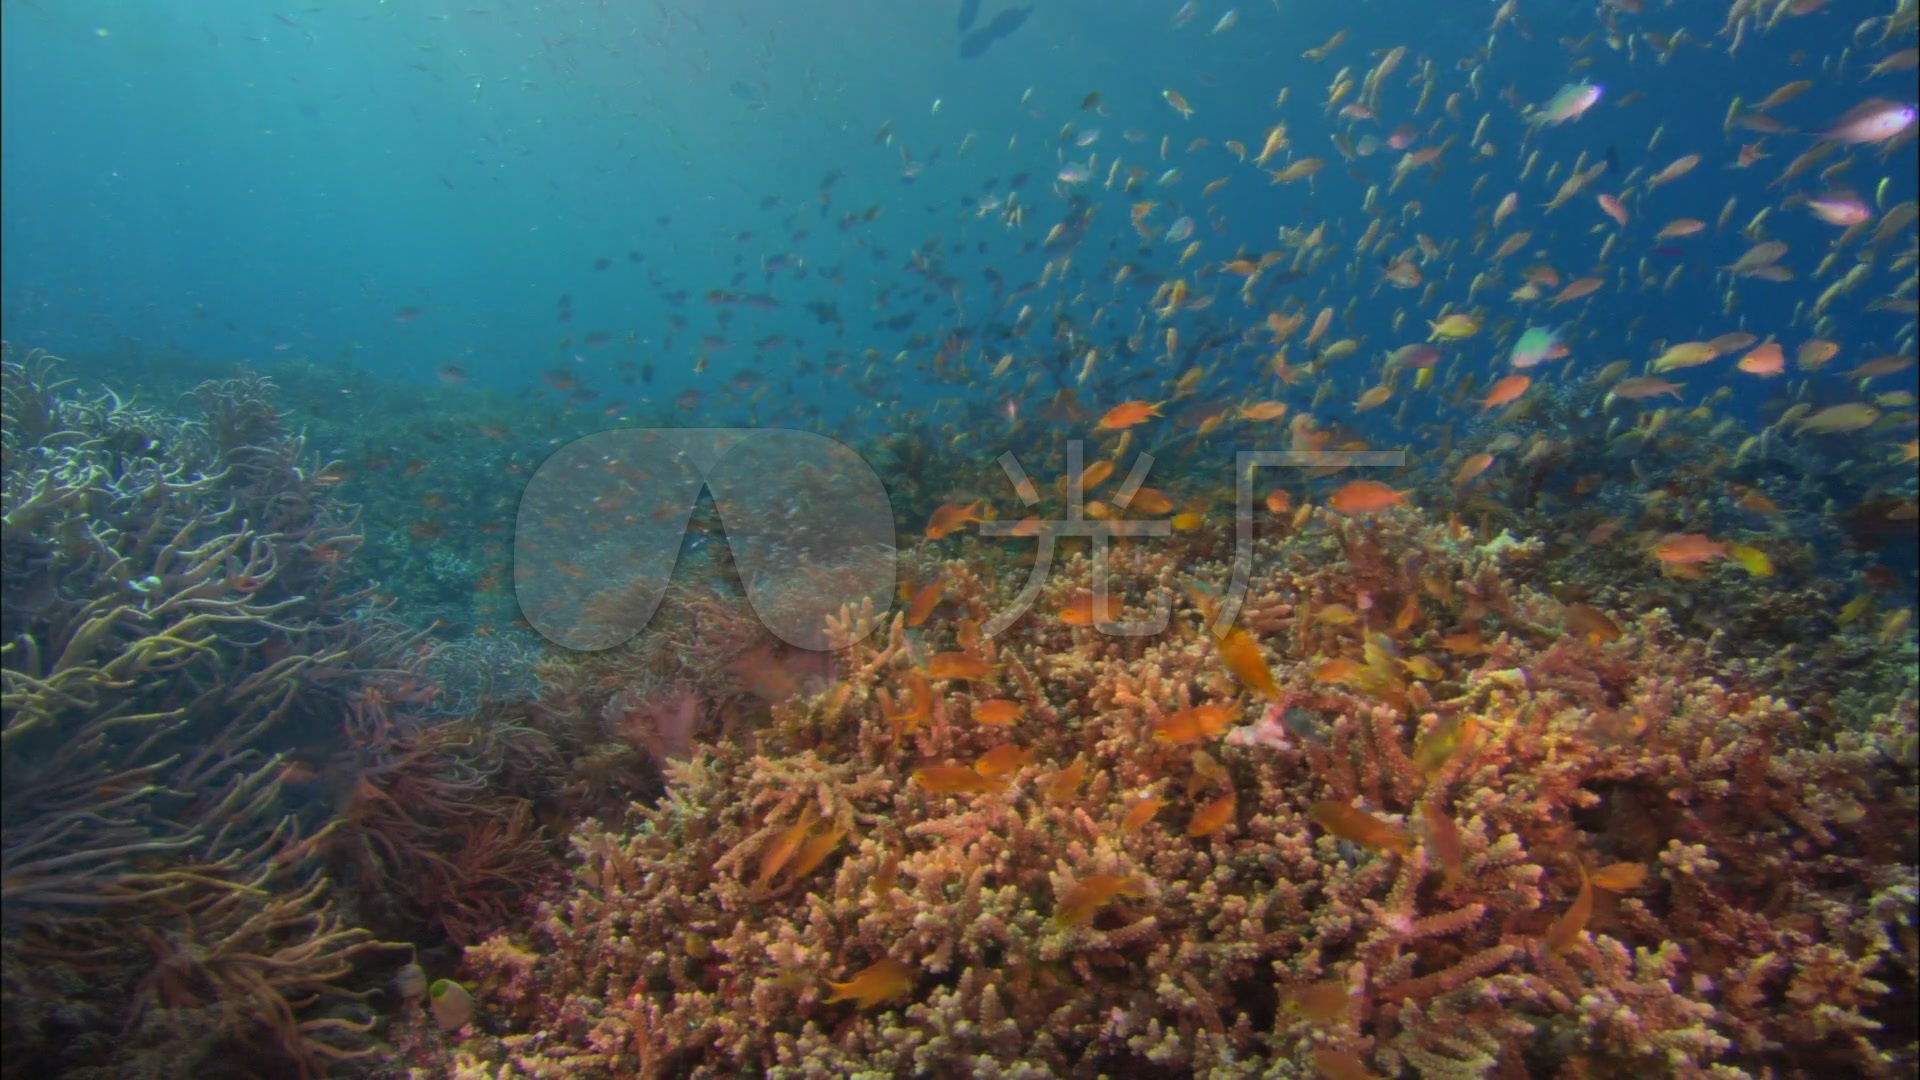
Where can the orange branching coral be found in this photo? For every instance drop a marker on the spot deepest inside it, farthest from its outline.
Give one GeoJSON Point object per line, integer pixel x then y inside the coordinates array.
{"type": "Point", "coordinates": [1417, 819]}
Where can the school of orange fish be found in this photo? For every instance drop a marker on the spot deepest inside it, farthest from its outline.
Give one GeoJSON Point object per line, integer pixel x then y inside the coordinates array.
{"type": "Point", "coordinates": [1532, 332]}
{"type": "Point", "coordinates": [1519, 354]}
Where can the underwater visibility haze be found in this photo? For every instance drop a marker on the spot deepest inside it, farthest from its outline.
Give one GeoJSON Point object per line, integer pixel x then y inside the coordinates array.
{"type": "Point", "coordinates": [959, 538]}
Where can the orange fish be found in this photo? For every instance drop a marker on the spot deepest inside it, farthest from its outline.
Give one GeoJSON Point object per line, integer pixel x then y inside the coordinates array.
{"type": "Point", "coordinates": [883, 879]}
{"type": "Point", "coordinates": [1679, 227]}
{"type": "Point", "coordinates": [1471, 468]}
{"type": "Point", "coordinates": [1506, 390]}
{"type": "Point", "coordinates": [1141, 812]}
{"type": "Point", "coordinates": [1212, 817]}
{"type": "Point", "coordinates": [1575, 290]}
{"type": "Point", "coordinates": [1090, 477]}
{"type": "Point", "coordinates": [1365, 497]}
{"type": "Point", "coordinates": [1409, 613]}
{"type": "Point", "coordinates": [1402, 274]}
{"type": "Point", "coordinates": [1542, 275]}
{"type": "Point", "coordinates": [783, 846]}
{"type": "Point", "coordinates": [1340, 669]}
{"type": "Point", "coordinates": [815, 851]}
{"type": "Point", "coordinates": [1592, 623]}
{"type": "Point", "coordinates": [907, 717]}
{"type": "Point", "coordinates": [1766, 361]}
{"type": "Point", "coordinates": [1244, 661]}
{"type": "Point", "coordinates": [956, 665]}
{"type": "Point", "coordinates": [876, 984]}
{"type": "Point", "coordinates": [1086, 896]}
{"type": "Point", "coordinates": [1150, 501]}
{"type": "Point", "coordinates": [1564, 934]}
{"type": "Point", "coordinates": [1279, 500]}
{"type": "Point", "coordinates": [1336, 615]}
{"type": "Point", "coordinates": [924, 602]}
{"type": "Point", "coordinates": [1127, 414]}
{"type": "Point", "coordinates": [953, 780]}
{"type": "Point", "coordinates": [1207, 770]}
{"type": "Point", "coordinates": [1350, 823]}
{"type": "Point", "coordinates": [996, 712]}
{"type": "Point", "coordinates": [1061, 785]}
{"type": "Point", "coordinates": [951, 517]}
{"type": "Point", "coordinates": [1001, 760]}
{"type": "Point", "coordinates": [1620, 877]}
{"type": "Point", "coordinates": [1192, 725]}
{"type": "Point", "coordinates": [1881, 365]}
{"type": "Point", "coordinates": [1688, 549]}
{"type": "Point", "coordinates": [1082, 610]}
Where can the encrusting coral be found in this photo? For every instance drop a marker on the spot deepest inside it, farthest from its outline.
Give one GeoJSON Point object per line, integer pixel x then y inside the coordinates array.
{"type": "Point", "coordinates": [1468, 830]}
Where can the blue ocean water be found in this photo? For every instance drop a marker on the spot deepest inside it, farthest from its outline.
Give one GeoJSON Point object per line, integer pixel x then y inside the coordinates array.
{"type": "Point", "coordinates": [407, 187]}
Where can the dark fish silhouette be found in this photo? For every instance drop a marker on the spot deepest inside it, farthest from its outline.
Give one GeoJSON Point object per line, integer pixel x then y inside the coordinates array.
{"type": "Point", "coordinates": [1009, 20]}
{"type": "Point", "coordinates": [755, 97]}
{"type": "Point", "coordinates": [969, 11]}
{"type": "Point", "coordinates": [1003, 24]}
{"type": "Point", "coordinates": [975, 44]}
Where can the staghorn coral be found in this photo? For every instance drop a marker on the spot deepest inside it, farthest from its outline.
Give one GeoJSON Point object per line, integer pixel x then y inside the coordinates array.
{"type": "Point", "coordinates": [1774, 929]}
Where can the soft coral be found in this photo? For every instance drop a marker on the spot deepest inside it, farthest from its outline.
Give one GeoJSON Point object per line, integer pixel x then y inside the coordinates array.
{"type": "Point", "coordinates": [662, 724]}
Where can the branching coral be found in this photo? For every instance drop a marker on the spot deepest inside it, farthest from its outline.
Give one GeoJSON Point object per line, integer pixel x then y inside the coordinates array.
{"type": "Point", "coordinates": [1619, 850]}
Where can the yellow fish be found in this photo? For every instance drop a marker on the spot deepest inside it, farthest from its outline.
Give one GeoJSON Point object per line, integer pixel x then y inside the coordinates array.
{"type": "Point", "coordinates": [1081, 900]}
{"type": "Point", "coordinates": [1244, 661]}
{"type": "Point", "coordinates": [1453, 327]}
{"type": "Point", "coordinates": [876, 984]}
{"type": "Point", "coordinates": [1752, 560]}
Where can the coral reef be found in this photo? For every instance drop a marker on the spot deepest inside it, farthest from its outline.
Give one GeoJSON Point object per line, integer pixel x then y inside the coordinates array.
{"type": "Point", "coordinates": [1480, 799]}
{"type": "Point", "coordinates": [178, 604]}
{"type": "Point", "coordinates": [436, 832]}
{"type": "Point", "coordinates": [1471, 829]}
